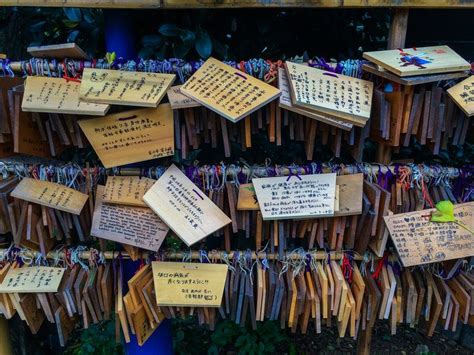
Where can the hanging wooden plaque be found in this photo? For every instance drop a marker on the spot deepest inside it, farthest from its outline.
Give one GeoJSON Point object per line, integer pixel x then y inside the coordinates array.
{"type": "Point", "coordinates": [51, 195]}
{"type": "Point", "coordinates": [463, 95]}
{"type": "Point", "coordinates": [247, 200]}
{"type": "Point", "coordinates": [228, 91]}
{"type": "Point", "coordinates": [120, 87]}
{"type": "Point", "coordinates": [418, 61]}
{"type": "Point", "coordinates": [132, 136]}
{"type": "Point", "coordinates": [178, 100]}
{"type": "Point", "coordinates": [127, 190]}
{"type": "Point", "coordinates": [34, 279]}
{"type": "Point", "coordinates": [336, 94]}
{"type": "Point", "coordinates": [137, 226]}
{"type": "Point", "coordinates": [285, 102]}
{"type": "Point", "coordinates": [57, 95]}
{"type": "Point", "coordinates": [349, 198]}
{"type": "Point", "coordinates": [419, 241]}
{"type": "Point", "coordinates": [58, 51]}
{"type": "Point", "coordinates": [189, 284]}
{"type": "Point", "coordinates": [297, 196]}
{"type": "Point", "coordinates": [26, 139]}
{"type": "Point", "coordinates": [183, 207]}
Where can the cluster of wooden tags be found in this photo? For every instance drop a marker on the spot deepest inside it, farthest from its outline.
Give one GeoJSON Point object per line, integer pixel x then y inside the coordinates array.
{"type": "Point", "coordinates": [325, 211]}
{"type": "Point", "coordinates": [60, 296]}
{"type": "Point", "coordinates": [196, 125]}
{"type": "Point", "coordinates": [40, 214]}
{"type": "Point", "coordinates": [410, 101]}
{"type": "Point", "coordinates": [325, 294]}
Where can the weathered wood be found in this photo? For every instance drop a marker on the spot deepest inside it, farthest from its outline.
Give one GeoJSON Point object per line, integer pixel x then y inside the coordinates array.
{"type": "Point", "coordinates": [398, 29]}
{"type": "Point", "coordinates": [412, 80]}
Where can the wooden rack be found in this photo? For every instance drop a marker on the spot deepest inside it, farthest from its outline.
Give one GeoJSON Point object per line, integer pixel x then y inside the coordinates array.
{"type": "Point", "coordinates": [195, 255]}
{"type": "Point", "coordinates": [396, 40]}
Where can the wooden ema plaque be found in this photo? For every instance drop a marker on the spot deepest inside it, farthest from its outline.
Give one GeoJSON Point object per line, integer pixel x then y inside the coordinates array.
{"type": "Point", "coordinates": [26, 139]}
{"type": "Point", "coordinates": [350, 189]}
{"type": "Point", "coordinates": [247, 200]}
{"type": "Point", "coordinates": [51, 195]}
{"type": "Point", "coordinates": [137, 226]}
{"type": "Point", "coordinates": [336, 94]}
{"type": "Point", "coordinates": [127, 190]}
{"type": "Point", "coordinates": [419, 61]}
{"type": "Point", "coordinates": [349, 197]}
{"type": "Point", "coordinates": [58, 51]}
{"type": "Point", "coordinates": [57, 95]}
{"type": "Point", "coordinates": [296, 196]}
{"type": "Point", "coordinates": [419, 241]}
{"type": "Point", "coordinates": [285, 102]}
{"type": "Point", "coordinates": [228, 91]}
{"type": "Point", "coordinates": [183, 207]}
{"type": "Point", "coordinates": [119, 87]}
{"type": "Point", "coordinates": [178, 100]}
{"type": "Point", "coordinates": [132, 136]}
{"type": "Point", "coordinates": [463, 95]}
{"type": "Point", "coordinates": [34, 279]}
{"type": "Point", "coordinates": [189, 284]}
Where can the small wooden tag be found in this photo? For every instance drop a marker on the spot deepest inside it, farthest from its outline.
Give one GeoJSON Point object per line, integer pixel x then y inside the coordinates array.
{"type": "Point", "coordinates": [136, 226]}
{"type": "Point", "coordinates": [34, 279]}
{"type": "Point", "coordinates": [51, 195]}
{"type": "Point", "coordinates": [131, 136]}
{"type": "Point", "coordinates": [57, 95]}
{"type": "Point", "coordinates": [228, 91]}
{"type": "Point", "coordinates": [124, 87]}
{"type": "Point", "coordinates": [189, 284]}
{"type": "Point", "coordinates": [184, 207]}
{"type": "Point", "coordinates": [178, 100]}
{"type": "Point", "coordinates": [247, 200]}
{"type": "Point", "coordinates": [300, 196]}
{"type": "Point", "coordinates": [127, 190]}
{"type": "Point", "coordinates": [419, 241]}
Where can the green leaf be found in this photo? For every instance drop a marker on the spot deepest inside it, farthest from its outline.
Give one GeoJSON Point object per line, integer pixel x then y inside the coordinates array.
{"type": "Point", "coordinates": [146, 53]}
{"type": "Point", "coordinates": [444, 212]}
{"type": "Point", "coordinates": [180, 50]}
{"type": "Point", "coordinates": [204, 44]}
{"type": "Point", "coordinates": [37, 26]}
{"type": "Point", "coordinates": [170, 30]}
{"type": "Point", "coordinates": [241, 340]}
{"type": "Point", "coordinates": [161, 53]}
{"type": "Point", "coordinates": [152, 41]}
{"type": "Point", "coordinates": [188, 37]}
{"type": "Point", "coordinates": [71, 24]}
{"type": "Point", "coordinates": [73, 14]}
{"type": "Point", "coordinates": [72, 36]}
{"type": "Point", "coordinates": [213, 350]}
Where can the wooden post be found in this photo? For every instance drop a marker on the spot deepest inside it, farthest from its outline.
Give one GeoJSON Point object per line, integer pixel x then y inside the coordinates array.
{"type": "Point", "coordinates": [5, 345]}
{"type": "Point", "coordinates": [398, 29]}
{"type": "Point", "coordinates": [396, 39]}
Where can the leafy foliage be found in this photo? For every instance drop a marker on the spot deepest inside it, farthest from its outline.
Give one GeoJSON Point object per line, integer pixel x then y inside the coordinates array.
{"type": "Point", "coordinates": [97, 339]}
{"type": "Point", "coordinates": [23, 27]}
{"type": "Point", "coordinates": [176, 41]}
{"type": "Point", "coordinates": [267, 339]}
{"type": "Point", "coordinates": [190, 338]}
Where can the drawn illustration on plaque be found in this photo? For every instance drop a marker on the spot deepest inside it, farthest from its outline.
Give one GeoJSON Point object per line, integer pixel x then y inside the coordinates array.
{"type": "Point", "coordinates": [468, 94]}
{"type": "Point", "coordinates": [418, 59]}
{"type": "Point", "coordinates": [98, 78]}
{"type": "Point", "coordinates": [254, 195]}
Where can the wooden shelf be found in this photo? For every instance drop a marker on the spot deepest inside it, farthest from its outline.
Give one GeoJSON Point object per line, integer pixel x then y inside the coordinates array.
{"type": "Point", "coordinates": [202, 4]}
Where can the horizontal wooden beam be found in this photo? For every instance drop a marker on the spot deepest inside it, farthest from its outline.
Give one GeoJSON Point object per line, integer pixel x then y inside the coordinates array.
{"type": "Point", "coordinates": [196, 255]}
{"type": "Point", "coordinates": [216, 4]}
